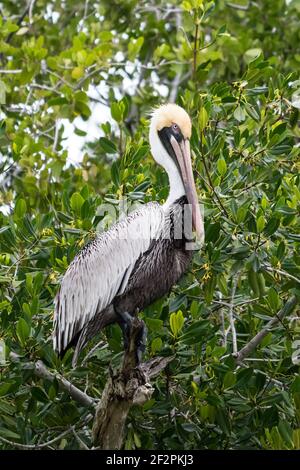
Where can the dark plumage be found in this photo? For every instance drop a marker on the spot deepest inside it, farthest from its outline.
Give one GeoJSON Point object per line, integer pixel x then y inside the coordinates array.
{"type": "Point", "coordinates": [154, 274]}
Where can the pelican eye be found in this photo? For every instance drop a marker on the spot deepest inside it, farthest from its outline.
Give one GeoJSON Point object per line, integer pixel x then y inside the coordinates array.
{"type": "Point", "coordinates": [176, 132]}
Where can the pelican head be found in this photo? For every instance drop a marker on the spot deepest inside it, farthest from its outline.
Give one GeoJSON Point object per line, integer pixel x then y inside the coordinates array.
{"type": "Point", "coordinates": [170, 131]}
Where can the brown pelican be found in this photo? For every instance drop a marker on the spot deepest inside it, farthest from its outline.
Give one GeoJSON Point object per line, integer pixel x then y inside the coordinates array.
{"type": "Point", "coordinates": [139, 259]}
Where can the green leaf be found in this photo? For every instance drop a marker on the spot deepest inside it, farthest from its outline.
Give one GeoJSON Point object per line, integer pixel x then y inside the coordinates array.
{"type": "Point", "coordinates": [83, 109]}
{"type": "Point", "coordinates": [229, 380]}
{"type": "Point", "coordinates": [273, 299]}
{"type": "Point", "coordinates": [23, 330]}
{"type": "Point", "coordinates": [202, 119]}
{"type": "Point", "coordinates": [194, 309]}
{"type": "Point", "coordinates": [195, 331]}
{"type": "Point", "coordinates": [79, 132]}
{"type": "Point", "coordinates": [134, 47]}
{"type": "Point", "coordinates": [286, 432]}
{"type": "Point", "coordinates": [222, 166]}
{"type": "Point", "coordinates": [20, 208]}
{"type": "Point", "coordinates": [57, 101]}
{"type": "Point", "coordinates": [76, 202]}
{"type": "Point", "coordinates": [186, 5]}
{"type": "Point", "coordinates": [39, 394]}
{"type": "Point", "coordinates": [107, 145]}
{"type": "Point", "coordinates": [260, 224]}
{"type": "Point", "coordinates": [117, 110]}
{"type": "Point", "coordinates": [154, 324]}
{"type": "Point", "coordinates": [252, 54]}
{"type": "Point", "coordinates": [176, 322]}
{"type": "Point", "coordinates": [156, 345]}
{"type": "Point", "coordinates": [77, 73]}
{"type": "Point", "coordinates": [272, 226]}
{"type": "Point", "coordinates": [115, 173]}
{"type": "Point", "coordinates": [8, 433]}
{"type": "Point", "coordinates": [252, 112]}
{"type": "Point", "coordinates": [239, 114]}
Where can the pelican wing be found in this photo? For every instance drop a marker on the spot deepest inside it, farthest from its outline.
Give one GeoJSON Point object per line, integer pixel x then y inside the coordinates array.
{"type": "Point", "coordinates": [101, 271]}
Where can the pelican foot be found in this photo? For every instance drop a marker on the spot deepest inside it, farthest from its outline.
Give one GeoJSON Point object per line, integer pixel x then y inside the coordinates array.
{"type": "Point", "coordinates": [141, 342]}
{"type": "Point", "coordinates": [125, 323]}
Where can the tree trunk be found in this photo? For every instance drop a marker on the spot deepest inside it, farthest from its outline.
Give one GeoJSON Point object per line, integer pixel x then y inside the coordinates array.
{"type": "Point", "coordinates": [129, 386]}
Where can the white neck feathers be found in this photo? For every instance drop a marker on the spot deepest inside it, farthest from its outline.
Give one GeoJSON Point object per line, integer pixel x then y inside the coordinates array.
{"type": "Point", "coordinates": [162, 157]}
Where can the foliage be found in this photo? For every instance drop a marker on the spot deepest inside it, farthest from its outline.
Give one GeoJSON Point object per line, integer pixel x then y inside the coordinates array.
{"type": "Point", "coordinates": [235, 67]}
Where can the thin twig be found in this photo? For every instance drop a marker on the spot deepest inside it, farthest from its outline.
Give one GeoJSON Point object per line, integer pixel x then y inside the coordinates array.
{"type": "Point", "coordinates": [19, 22]}
{"type": "Point", "coordinates": [91, 352]}
{"type": "Point", "coordinates": [212, 186]}
{"type": "Point", "coordinates": [238, 7]}
{"type": "Point", "coordinates": [56, 134]}
{"type": "Point", "coordinates": [46, 88]}
{"type": "Point", "coordinates": [11, 71]}
{"type": "Point", "coordinates": [283, 273]}
{"type": "Point", "coordinates": [31, 5]}
{"type": "Point", "coordinates": [224, 337]}
{"type": "Point", "coordinates": [72, 429]}
{"type": "Point", "coordinates": [79, 440]}
{"type": "Point", "coordinates": [17, 445]}
{"type": "Point", "coordinates": [195, 50]}
{"type": "Point", "coordinates": [238, 304]}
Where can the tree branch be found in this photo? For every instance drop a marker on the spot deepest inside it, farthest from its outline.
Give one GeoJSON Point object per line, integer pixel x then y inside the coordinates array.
{"type": "Point", "coordinates": [41, 371]}
{"type": "Point", "coordinates": [231, 317]}
{"type": "Point", "coordinates": [254, 342]}
{"type": "Point", "coordinates": [282, 273]}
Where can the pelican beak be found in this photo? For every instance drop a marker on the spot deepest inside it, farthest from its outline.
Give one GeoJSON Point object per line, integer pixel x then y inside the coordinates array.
{"type": "Point", "coordinates": [183, 156]}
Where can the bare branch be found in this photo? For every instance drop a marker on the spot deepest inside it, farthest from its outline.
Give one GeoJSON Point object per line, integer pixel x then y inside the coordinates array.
{"type": "Point", "coordinates": [56, 134]}
{"type": "Point", "coordinates": [224, 336]}
{"type": "Point", "coordinates": [238, 304]}
{"type": "Point", "coordinates": [238, 7]}
{"type": "Point", "coordinates": [254, 342]}
{"type": "Point", "coordinates": [40, 370]}
{"type": "Point", "coordinates": [85, 14]}
{"type": "Point", "coordinates": [11, 71]}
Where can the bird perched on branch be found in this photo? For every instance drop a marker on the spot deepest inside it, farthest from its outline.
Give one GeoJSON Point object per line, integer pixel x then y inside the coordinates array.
{"type": "Point", "coordinates": [139, 259]}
